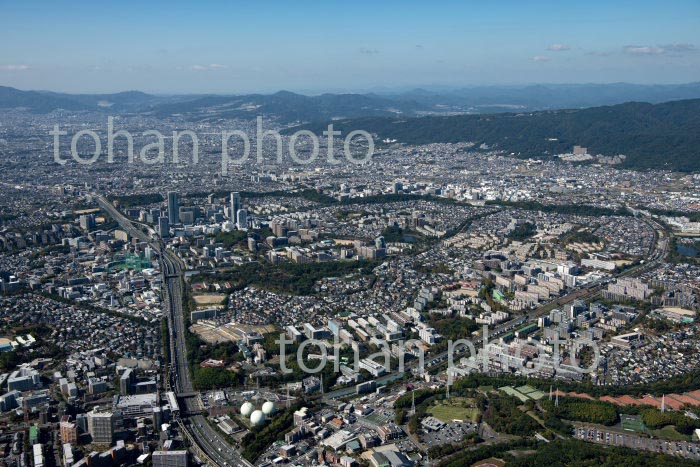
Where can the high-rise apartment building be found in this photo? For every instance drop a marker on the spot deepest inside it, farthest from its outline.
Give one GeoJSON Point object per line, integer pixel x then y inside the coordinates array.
{"type": "Point", "coordinates": [235, 205]}
{"type": "Point", "coordinates": [173, 207]}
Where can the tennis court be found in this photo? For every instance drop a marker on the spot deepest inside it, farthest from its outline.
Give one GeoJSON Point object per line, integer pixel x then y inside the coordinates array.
{"type": "Point", "coordinates": [632, 423]}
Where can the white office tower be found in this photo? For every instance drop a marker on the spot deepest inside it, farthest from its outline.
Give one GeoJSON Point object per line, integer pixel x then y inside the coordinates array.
{"type": "Point", "coordinates": [235, 205]}
{"type": "Point", "coordinates": [242, 219]}
{"type": "Point", "coordinates": [101, 427]}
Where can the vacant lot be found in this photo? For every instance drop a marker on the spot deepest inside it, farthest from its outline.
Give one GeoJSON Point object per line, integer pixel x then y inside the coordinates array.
{"type": "Point", "coordinates": [209, 299]}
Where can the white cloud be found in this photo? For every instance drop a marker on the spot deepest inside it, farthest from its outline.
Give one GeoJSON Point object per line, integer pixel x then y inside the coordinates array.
{"type": "Point", "coordinates": [558, 47]}
{"type": "Point", "coordinates": [14, 67]}
{"type": "Point", "coordinates": [540, 58]}
{"type": "Point", "coordinates": [679, 47]}
{"type": "Point", "coordinates": [644, 50]}
{"type": "Point", "coordinates": [211, 67]}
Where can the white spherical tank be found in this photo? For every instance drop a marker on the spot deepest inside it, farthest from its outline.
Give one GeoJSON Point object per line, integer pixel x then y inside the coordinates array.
{"type": "Point", "coordinates": [269, 408]}
{"type": "Point", "coordinates": [257, 417]}
{"type": "Point", "coordinates": [247, 409]}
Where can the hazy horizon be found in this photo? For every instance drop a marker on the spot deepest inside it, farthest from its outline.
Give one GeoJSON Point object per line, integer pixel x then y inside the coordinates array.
{"type": "Point", "coordinates": [377, 89]}
{"type": "Point", "coordinates": [173, 48]}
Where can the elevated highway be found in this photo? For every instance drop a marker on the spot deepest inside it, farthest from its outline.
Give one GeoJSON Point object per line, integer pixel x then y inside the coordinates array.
{"type": "Point", "coordinates": [206, 442]}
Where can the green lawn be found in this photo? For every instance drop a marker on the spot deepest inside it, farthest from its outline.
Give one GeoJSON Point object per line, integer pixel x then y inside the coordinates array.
{"type": "Point", "coordinates": [669, 432]}
{"type": "Point", "coordinates": [448, 412]}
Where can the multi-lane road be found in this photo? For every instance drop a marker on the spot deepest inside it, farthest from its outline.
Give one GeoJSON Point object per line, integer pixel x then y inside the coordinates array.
{"type": "Point", "coordinates": [206, 442]}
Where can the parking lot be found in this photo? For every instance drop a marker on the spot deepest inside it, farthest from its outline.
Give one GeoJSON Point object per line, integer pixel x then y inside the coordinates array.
{"type": "Point", "coordinates": [675, 448]}
{"type": "Point", "coordinates": [453, 433]}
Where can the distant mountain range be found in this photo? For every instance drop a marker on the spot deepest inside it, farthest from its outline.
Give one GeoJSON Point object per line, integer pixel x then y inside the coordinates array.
{"type": "Point", "coordinates": [286, 106]}
{"type": "Point", "coordinates": [289, 107]}
{"type": "Point", "coordinates": [660, 136]}
{"type": "Point", "coordinates": [485, 99]}
{"type": "Point", "coordinates": [45, 101]}
{"type": "Point", "coordinates": [525, 120]}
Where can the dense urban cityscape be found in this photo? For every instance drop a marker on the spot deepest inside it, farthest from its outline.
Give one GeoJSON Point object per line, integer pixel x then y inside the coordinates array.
{"type": "Point", "coordinates": [481, 276]}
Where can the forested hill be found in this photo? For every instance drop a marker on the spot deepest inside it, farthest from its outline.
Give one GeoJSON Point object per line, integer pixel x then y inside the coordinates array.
{"type": "Point", "coordinates": [662, 136]}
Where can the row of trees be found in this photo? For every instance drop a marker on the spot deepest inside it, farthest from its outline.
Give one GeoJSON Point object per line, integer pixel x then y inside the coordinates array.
{"type": "Point", "coordinates": [688, 381]}
{"type": "Point", "coordinates": [579, 453]}
{"type": "Point", "coordinates": [565, 452]}
{"type": "Point", "coordinates": [499, 450]}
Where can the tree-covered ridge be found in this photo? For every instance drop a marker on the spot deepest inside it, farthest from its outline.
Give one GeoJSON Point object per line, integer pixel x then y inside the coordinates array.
{"type": "Point", "coordinates": [659, 136]}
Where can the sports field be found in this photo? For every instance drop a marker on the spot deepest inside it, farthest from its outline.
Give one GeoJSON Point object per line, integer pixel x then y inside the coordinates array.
{"type": "Point", "coordinates": [512, 392]}
{"type": "Point", "coordinates": [208, 299]}
{"type": "Point", "coordinates": [524, 393]}
{"type": "Point", "coordinates": [631, 423]}
{"type": "Point", "coordinates": [447, 411]}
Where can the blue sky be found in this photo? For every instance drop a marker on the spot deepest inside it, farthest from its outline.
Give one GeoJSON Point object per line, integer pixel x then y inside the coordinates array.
{"type": "Point", "coordinates": [234, 47]}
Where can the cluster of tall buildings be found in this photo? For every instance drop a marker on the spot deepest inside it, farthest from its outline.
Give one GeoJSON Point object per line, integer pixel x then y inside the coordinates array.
{"type": "Point", "coordinates": [237, 214]}
{"type": "Point", "coordinates": [188, 215]}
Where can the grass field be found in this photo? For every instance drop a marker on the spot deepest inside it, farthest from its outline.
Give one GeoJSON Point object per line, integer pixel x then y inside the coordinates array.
{"type": "Point", "coordinates": [457, 410]}
{"type": "Point", "coordinates": [669, 432]}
